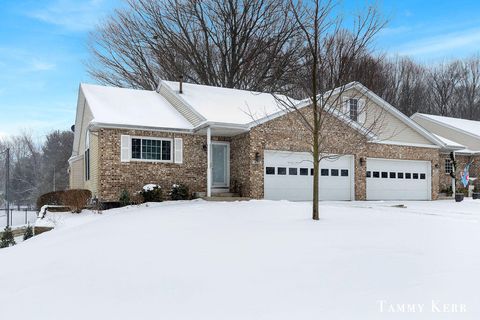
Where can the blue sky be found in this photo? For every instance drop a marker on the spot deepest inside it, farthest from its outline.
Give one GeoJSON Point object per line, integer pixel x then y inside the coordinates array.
{"type": "Point", "coordinates": [43, 50]}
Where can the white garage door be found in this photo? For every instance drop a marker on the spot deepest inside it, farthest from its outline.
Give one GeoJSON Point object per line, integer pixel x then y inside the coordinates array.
{"type": "Point", "coordinates": [289, 176]}
{"type": "Point", "coordinates": [398, 179]}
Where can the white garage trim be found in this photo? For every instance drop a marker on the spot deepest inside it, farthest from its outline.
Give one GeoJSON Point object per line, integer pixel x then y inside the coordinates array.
{"type": "Point", "coordinates": [336, 183]}
{"type": "Point", "coordinates": [398, 179]}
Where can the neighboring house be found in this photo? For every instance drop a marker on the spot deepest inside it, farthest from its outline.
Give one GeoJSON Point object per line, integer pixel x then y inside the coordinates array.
{"type": "Point", "coordinates": [463, 137]}
{"type": "Point", "coordinates": [126, 138]}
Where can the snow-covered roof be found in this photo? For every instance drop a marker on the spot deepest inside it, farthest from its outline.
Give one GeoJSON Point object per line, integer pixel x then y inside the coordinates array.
{"type": "Point", "coordinates": [142, 108]}
{"type": "Point", "coordinates": [469, 126]}
{"type": "Point", "coordinates": [448, 142]}
{"type": "Point", "coordinates": [225, 105]}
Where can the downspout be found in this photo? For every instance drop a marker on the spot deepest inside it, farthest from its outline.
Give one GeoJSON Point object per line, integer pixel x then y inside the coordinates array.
{"type": "Point", "coordinates": [209, 162]}
{"type": "Point", "coordinates": [453, 179]}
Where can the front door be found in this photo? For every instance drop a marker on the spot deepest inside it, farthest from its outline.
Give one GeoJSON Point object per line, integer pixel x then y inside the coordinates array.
{"type": "Point", "coordinates": [220, 164]}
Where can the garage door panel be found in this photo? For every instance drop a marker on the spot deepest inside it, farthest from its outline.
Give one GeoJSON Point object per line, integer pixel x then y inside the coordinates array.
{"type": "Point", "coordinates": [299, 186]}
{"type": "Point", "coordinates": [398, 179]}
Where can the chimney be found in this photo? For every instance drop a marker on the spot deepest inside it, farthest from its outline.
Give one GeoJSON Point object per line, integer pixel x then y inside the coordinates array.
{"type": "Point", "coordinates": [181, 84]}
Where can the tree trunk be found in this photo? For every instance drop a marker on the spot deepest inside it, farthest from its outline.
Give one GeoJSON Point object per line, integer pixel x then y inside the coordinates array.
{"type": "Point", "coordinates": [316, 171]}
{"type": "Point", "coordinates": [316, 116]}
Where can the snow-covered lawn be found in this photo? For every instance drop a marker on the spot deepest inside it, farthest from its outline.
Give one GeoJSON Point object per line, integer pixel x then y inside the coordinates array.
{"type": "Point", "coordinates": [249, 260]}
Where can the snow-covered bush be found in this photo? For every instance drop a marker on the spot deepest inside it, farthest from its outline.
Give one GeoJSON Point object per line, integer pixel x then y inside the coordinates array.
{"type": "Point", "coordinates": [179, 192]}
{"type": "Point", "coordinates": [7, 239]}
{"type": "Point", "coordinates": [152, 193]}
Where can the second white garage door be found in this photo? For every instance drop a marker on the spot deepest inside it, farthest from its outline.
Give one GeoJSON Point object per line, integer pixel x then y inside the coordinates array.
{"type": "Point", "coordinates": [398, 179]}
{"type": "Point", "coordinates": [289, 176]}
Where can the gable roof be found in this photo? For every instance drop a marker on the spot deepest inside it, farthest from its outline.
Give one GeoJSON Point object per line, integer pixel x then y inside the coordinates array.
{"type": "Point", "coordinates": [388, 108]}
{"type": "Point", "coordinates": [469, 127]}
{"type": "Point", "coordinates": [225, 105]}
{"type": "Point", "coordinates": [131, 107]}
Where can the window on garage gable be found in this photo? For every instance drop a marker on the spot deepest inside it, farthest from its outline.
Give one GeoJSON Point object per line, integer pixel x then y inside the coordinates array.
{"type": "Point", "coordinates": [353, 109]}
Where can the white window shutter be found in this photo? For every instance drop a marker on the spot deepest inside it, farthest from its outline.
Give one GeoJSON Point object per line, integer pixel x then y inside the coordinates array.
{"type": "Point", "coordinates": [346, 107]}
{"type": "Point", "coordinates": [362, 112]}
{"type": "Point", "coordinates": [178, 150]}
{"type": "Point", "coordinates": [125, 148]}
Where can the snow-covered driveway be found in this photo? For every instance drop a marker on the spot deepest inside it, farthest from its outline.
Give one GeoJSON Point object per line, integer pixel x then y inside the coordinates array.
{"type": "Point", "coordinates": [250, 260]}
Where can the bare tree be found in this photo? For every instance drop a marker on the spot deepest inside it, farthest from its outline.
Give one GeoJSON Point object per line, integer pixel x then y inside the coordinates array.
{"type": "Point", "coordinates": [229, 43]}
{"type": "Point", "coordinates": [444, 80]}
{"type": "Point", "coordinates": [469, 88]}
{"type": "Point", "coordinates": [330, 56]}
{"type": "Point", "coordinates": [25, 168]}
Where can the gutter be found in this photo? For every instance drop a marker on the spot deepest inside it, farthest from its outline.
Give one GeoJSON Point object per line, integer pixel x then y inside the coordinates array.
{"type": "Point", "coordinates": [99, 125]}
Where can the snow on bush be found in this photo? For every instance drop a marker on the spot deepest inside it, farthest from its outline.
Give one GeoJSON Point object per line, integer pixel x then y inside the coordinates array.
{"type": "Point", "coordinates": [150, 187]}
{"type": "Point", "coordinates": [152, 193]}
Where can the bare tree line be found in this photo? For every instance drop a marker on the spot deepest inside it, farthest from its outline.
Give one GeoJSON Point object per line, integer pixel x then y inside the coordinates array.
{"type": "Point", "coordinates": [35, 167]}
{"type": "Point", "coordinates": [449, 88]}
{"type": "Point", "coordinates": [260, 45]}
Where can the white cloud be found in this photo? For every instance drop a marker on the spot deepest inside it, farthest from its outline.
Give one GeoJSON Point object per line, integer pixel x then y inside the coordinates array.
{"type": "Point", "coordinates": [38, 65]}
{"type": "Point", "coordinates": [442, 44]}
{"type": "Point", "coordinates": [394, 31]}
{"type": "Point", "coordinates": [73, 15]}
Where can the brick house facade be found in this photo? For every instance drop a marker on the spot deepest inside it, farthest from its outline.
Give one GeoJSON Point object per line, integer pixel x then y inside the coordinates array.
{"type": "Point", "coordinates": [248, 142]}
{"type": "Point", "coordinates": [246, 173]}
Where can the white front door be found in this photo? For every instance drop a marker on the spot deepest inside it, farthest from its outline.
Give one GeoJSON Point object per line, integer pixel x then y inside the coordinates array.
{"type": "Point", "coordinates": [220, 164]}
{"type": "Point", "coordinates": [289, 176]}
{"type": "Point", "coordinates": [398, 179]}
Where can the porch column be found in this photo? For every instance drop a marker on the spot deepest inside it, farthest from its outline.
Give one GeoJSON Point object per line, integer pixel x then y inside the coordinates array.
{"type": "Point", "coordinates": [209, 162]}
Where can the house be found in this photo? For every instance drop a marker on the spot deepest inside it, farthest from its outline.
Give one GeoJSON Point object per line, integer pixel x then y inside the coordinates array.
{"type": "Point", "coordinates": [463, 138]}
{"type": "Point", "coordinates": [126, 138]}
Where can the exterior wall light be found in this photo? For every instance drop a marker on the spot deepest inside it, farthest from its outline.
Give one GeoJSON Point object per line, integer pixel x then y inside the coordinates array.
{"type": "Point", "coordinates": [257, 156]}
{"type": "Point", "coordinates": [362, 161]}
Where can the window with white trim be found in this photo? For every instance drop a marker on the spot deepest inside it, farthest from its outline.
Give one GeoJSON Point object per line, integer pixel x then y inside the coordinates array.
{"type": "Point", "coordinates": [448, 166]}
{"type": "Point", "coordinates": [152, 149]}
{"type": "Point", "coordinates": [353, 109]}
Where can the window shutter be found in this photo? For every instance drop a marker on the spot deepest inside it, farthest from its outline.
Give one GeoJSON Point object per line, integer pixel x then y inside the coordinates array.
{"type": "Point", "coordinates": [346, 107]}
{"type": "Point", "coordinates": [362, 112]}
{"type": "Point", "coordinates": [126, 148]}
{"type": "Point", "coordinates": [178, 150]}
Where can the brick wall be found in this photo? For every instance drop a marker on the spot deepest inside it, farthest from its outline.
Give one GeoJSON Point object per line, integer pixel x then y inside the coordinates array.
{"type": "Point", "coordinates": [246, 173]}
{"type": "Point", "coordinates": [116, 176]}
{"type": "Point", "coordinates": [285, 133]}
{"type": "Point", "coordinates": [462, 160]}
